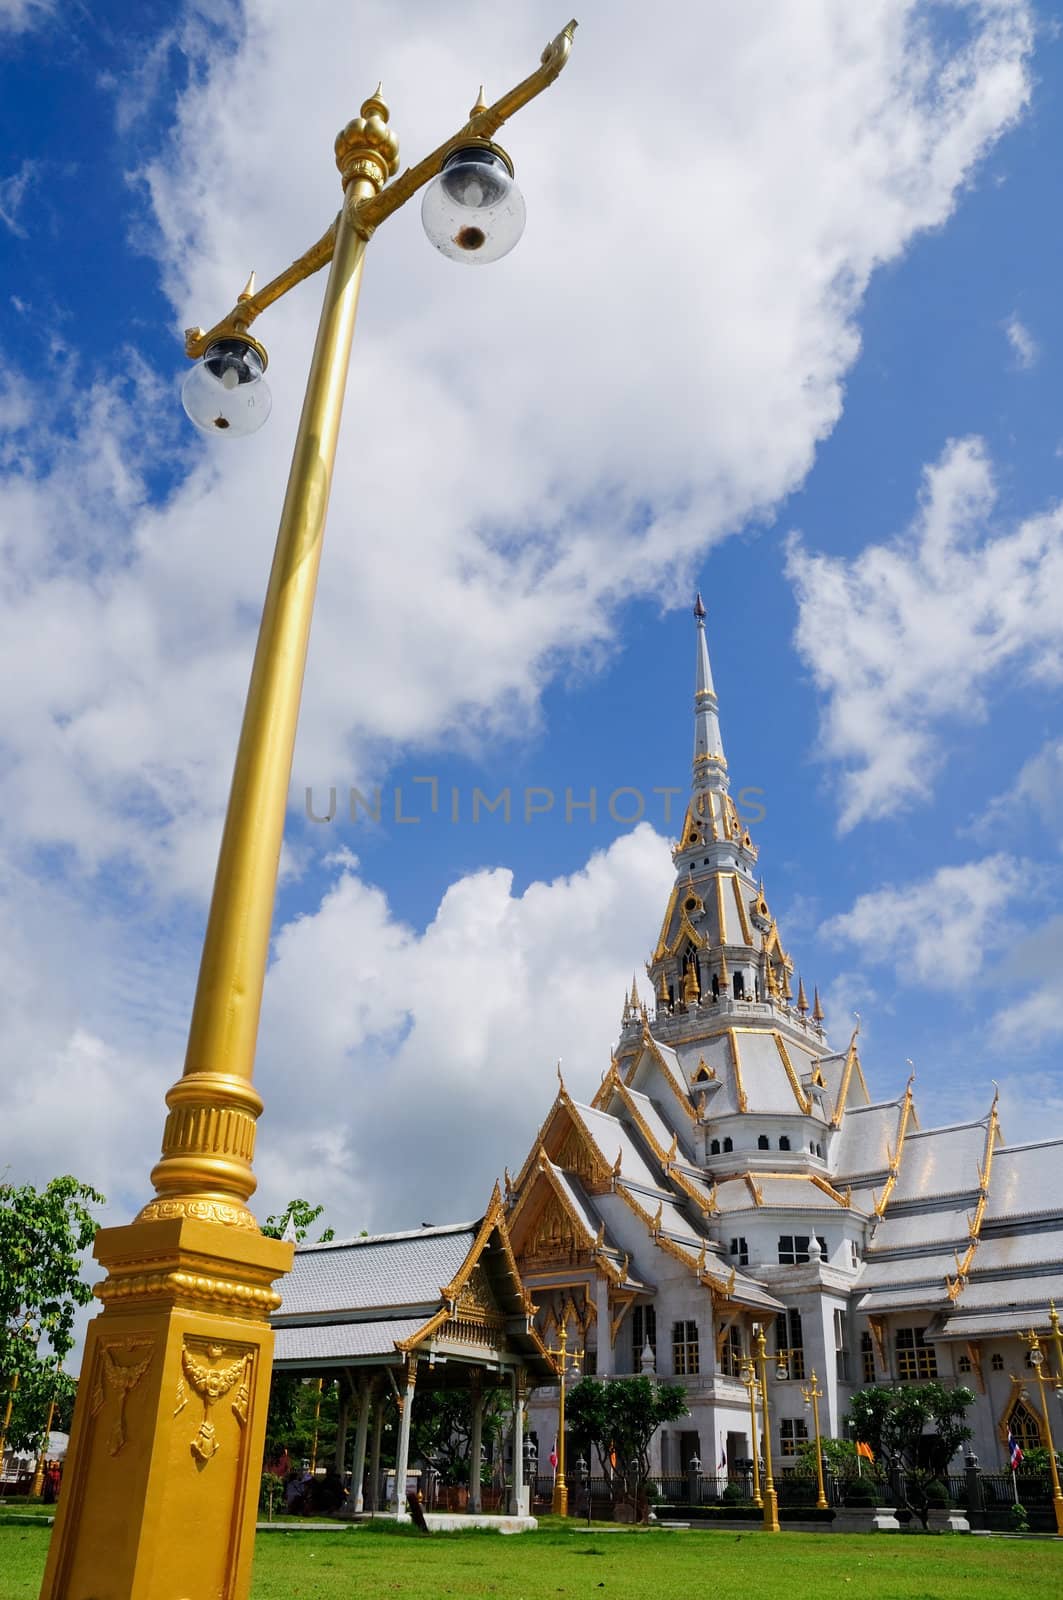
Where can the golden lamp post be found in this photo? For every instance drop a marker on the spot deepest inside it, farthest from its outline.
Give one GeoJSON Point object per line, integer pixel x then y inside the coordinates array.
{"type": "Point", "coordinates": [562, 1356]}
{"type": "Point", "coordinates": [162, 1477]}
{"type": "Point", "coordinates": [771, 1499]}
{"type": "Point", "coordinates": [1037, 1361]}
{"type": "Point", "coordinates": [749, 1378]}
{"type": "Point", "coordinates": [811, 1394]}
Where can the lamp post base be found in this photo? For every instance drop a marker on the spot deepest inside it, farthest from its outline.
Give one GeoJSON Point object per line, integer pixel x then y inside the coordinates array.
{"type": "Point", "coordinates": [771, 1511]}
{"type": "Point", "coordinates": [161, 1485]}
{"type": "Point", "coordinates": [559, 1504]}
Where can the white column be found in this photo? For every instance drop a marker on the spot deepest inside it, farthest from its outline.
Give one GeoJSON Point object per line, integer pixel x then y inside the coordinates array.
{"type": "Point", "coordinates": [475, 1445]}
{"type": "Point", "coordinates": [606, 1357]}
{"type": "Point", "coordinates": [374, 1458]}
{"type": "Point", "coordinates": [365, 1394]}
{"type": "Point", "coordinates": [517, 1395]}
{"type": "Point", "coordinates": [339, 1458]}
{"type": "Point", "coordinates": [402, 1449]}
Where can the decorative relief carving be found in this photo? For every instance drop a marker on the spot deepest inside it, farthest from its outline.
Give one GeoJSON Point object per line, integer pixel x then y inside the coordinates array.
{"type": "Point", "coordinates": [553, 1233]}
{"type": "Point", "coordinates": [574, 1156]}
{"type": "Point", "coordinates": [221, 1130]}
{"type": "Point", "coordinates": [232, 1216]}
{"type": "Point", "coordinates": [210, 1384]}
{"type": "Point", "coordinates": [120, 1374]}
{"type": "Point", "coordinates": [476, 1300]}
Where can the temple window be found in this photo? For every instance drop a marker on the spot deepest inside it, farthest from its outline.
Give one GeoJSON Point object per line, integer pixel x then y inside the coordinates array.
{"type": "Point", "coordinates": [763, 1143]}
{"type": "Point", "coordinates": [643, 1332]}
{"type": "Point", "coordinates": [915, 1359]}
{"type": "Point", "coordinates": [728, 1146]}
{"type": "Point", "coordinates": [714, 1147]}
{"type": "Point", "coordinates": [685, 1349]}
{"type": "Point", "coordinates": [963, 1364]}
{"type": "Point", "coordinates": [740, 1252]}
{"type": "Point", "coordinates": [1026, 1427]}
{"type": "Point", "coordinates": [793, 1433]}
{"type": "Point", "coordinates": [784, 1143]}
{"type": "Point", "coordinates": [867, 1358]}
{"type": "Point", "coordinates": [789, 1343]}
{"type": "Point", "coordinates": [793, 1249]}
{"type": "Point", "coordinates": [841, 1344]}
{"type": "Point", "coordinates": [731, 1358]}
{"type": "Point", "coordinates": [715, 986]}
{"type": "Point", "coordinates": [739, 983]}
{"type": "Point", "coordinates": [997, 1363]}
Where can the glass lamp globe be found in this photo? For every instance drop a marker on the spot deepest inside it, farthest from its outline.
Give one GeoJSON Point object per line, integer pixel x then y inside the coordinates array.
{"type": "Point", "coordinates": [225, 393]}
{"type": "Point", "coordinates": [473, 211]}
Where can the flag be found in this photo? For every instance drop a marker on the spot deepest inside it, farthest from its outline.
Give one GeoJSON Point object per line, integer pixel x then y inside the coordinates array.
{"type": "Point", "coordinates": [1014, 1451]}
{"type": "Point", "coordinates": [864, 1450]}
{"type": "Point", "coordinates": [553, 1456]}
{"type": "Point", "coordinates": [723, 1456]}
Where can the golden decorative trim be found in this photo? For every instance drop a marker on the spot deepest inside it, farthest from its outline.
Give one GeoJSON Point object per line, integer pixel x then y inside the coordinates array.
{"type": "Point", "coordinates": [826, 1187]}
{"type": "Point", "coordinates": [804, 1101]}
{"type": "Point", "coordinates": [679, 1090]}
{"type": "Point", "coordinates": [895, 1158]}
{"type": "Point", "coordinates": [212, 1384]}
{"type": "Point", "coordinates": [736, 1063]}
{"type": "Point", "coordinates": [187, 1288]}
{"type": "Point", "coordinates": [843, 1087]}
{"type": "Point", "coordinates": [747, 932]}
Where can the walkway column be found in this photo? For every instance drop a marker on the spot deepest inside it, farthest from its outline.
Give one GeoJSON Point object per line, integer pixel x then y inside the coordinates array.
{"type": "Point", "coordinates": [340, 1456]}
{"type": "Point", "coordinates": [517, 1395]}
{"type": "Point", "coordinates": [365, 1396]}
{"type": "Point", "coordinates": [402, 1449]}
{"type": "Point", "coordinates": [606, 1360]}
{"type": "Point", "coordinates": [476, 1442]}
{"type": "Point", "coordinates": [374, 1459]}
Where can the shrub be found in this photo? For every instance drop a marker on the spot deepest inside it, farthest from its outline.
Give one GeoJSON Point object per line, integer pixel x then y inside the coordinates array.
{"type": "Point", "coordinates": [861, 1492]}
{"type": "Point", "coordinates": [1020, 1522]}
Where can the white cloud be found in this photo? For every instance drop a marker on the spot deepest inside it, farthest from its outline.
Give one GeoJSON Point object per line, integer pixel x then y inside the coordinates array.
{"type": "Point", "coordinates": [1037, 791]}
{"type": "Point", "coordinates": [938, 932]}
{"type": "Point", "coordinates": [12, 193]}
{"type": "Point", "coordinates": [18, 16]}
{"type": "Point", "coordinates": [523, 447]}
{"type": "Point", "coordinates": [401, 1070]}
{"type": "Point", "coordinates": [1024, 346]}
{"type": "Point", "coordinates": [908, 638]}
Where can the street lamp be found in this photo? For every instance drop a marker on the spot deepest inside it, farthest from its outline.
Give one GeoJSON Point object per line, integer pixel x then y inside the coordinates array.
{"type": "Point", "coordinates": [812, 1395]}
{"type": "Point", "coordinates": [771, 1499]}
{"type": "Point", "coordinates": [562, 1356]}
{"type": "Point", "coordinates": [1037, 1359]}
{"type": "Point", "coordinates": [1057, 1340]}
{"type": "Point", "coordinates": [749, 1378]}
{"type": "Point", "coordinates": [171, 1413]}
{"type": "Point", "coordinates": [585, 1483]}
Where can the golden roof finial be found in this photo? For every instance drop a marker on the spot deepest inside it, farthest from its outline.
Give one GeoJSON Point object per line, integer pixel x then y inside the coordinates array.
{"type": "Point", "coordinates": [817, 1009]}
{"type": "Point", "coordinates": [634, 993]}
{"type": "Point", "coordinates": [247, 292]}
{"type": "Point", "coordinates": [802, 998]}
{"type": "Point", "coordinates": [856, 1030]}
{"type": "Point", "coordinates": [787, 992]}
{"type": "Point", "coordinates": [560, 1079]}
{"type": "Point", "coordinates": [691, 989]}
{"type": "Point", "coordinates": [909, 1063]}
{"type": "Point", "coordinates": [617, 1162]}
{"type": "Point", "coordinates": [724, 975]}
{"type": "Point", "coordinates": [481, 104]}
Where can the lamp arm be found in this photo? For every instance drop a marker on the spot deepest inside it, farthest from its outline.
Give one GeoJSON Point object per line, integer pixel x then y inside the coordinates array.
{"type": "Point", "coordinates": [369, 213]}
{"type": "Point", "coordinates": [244, 311]}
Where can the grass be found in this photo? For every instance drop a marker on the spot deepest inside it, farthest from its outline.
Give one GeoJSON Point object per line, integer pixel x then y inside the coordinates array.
{"type": "Point", "coordinates": [400, 1564]}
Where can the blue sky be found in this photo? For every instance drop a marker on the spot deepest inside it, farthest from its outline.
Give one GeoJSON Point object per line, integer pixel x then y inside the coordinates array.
{"type": "Point", "coordinates": [785, 326]}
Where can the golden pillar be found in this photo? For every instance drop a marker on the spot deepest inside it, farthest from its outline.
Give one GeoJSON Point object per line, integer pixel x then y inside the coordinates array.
{"type": "Point", "coordinates": [161, 1484]}
{"type": "Point", "coordinates": [749, 1378]}
{"type": "Point", "coordinates": [771, 1499]}
{"type": "Point", "coordinates": [38, 1476]}
{"type": "Point", "coordinates": [1037, 1361]}
{"type": "Point", "coordinates": [562, 1356]}
{"type": "Point", "coordinates": [812, 1395]}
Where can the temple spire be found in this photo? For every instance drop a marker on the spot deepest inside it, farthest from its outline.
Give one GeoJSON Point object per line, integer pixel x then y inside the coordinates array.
{"type": "Point", "coordinates": [710, 767]}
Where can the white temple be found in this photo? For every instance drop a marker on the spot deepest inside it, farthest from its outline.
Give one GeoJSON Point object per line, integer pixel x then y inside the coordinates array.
{"type": "Point", "coordinates": [734, 1169]}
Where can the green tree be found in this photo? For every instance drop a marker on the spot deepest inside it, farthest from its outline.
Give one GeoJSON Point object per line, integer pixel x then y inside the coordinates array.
{"type": "Point", "coordinates": [441, 1429]}
{"type": "Point", "coordinates": [839, 1458]}
{"type": "Point", "coordinates": [915, 1430]}
{"type": "Point", "coordinates": [300, 1215]}
{"type": "Point", "coordinates": [42, 1235]}
{"type": "Point", "coordinates": [618, 1419]}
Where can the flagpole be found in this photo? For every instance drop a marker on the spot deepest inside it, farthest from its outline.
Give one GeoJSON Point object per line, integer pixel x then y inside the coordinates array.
{"type": "Point", "coordinates": [1014, 1486]}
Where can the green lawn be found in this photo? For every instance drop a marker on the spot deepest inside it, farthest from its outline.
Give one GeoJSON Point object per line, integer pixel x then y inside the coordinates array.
{"type": "Point", "coordinates": [401, 1565]}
